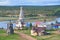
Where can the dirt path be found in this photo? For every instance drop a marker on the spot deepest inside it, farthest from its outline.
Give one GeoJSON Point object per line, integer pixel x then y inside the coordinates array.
{"type": "Point", "coordinates": [56, 32]}
{"type": "Point", "coordinates": [24, 36]}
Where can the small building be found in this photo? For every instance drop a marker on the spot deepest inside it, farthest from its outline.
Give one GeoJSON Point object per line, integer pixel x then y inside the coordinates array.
{"type": "Point", "coordinates": [38, 29]}
{"type": "Point", "coordinates": [28, 24]}
{"type": "Point", "coordinates": [56, 26]}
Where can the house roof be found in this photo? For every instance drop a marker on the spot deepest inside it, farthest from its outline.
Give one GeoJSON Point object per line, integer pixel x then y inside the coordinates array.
{"type": "Point", "coordinates": [40, 29]}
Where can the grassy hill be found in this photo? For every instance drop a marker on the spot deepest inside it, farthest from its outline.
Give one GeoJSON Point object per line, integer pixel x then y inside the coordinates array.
{"type": "Point", "coordinates": [45, 10]}
{"type": "Point", "coordinates": [31, 11]}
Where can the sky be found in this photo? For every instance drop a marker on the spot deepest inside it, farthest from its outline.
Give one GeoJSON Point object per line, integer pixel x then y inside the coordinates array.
{"type": "Point", "coordinates": [29, 2]}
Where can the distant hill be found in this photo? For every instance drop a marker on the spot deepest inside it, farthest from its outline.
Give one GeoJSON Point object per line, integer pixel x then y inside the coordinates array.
{"type": "Point", "coordinates": [31, 11]}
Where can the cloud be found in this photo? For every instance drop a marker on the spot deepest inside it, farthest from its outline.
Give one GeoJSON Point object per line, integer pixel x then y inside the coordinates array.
{"type": "Point", "coordinates": [40, 2]}
{"type": "Point", "coordinates": [9, 2]}
{"type": "Point", "coordinates": [4, 2]}
{"type": "Point", "coordinates": [14, 2]}
{"type": "Point", "coordinates": [29, 2]}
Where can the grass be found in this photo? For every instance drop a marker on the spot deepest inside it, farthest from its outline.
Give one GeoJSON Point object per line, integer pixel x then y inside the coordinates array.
{"type": "Point", "coordinates": [2, 31]}
{"type": "Point", "coordinates": [45, 37]}
{"type": "Point", "coordinates": [4, 36]}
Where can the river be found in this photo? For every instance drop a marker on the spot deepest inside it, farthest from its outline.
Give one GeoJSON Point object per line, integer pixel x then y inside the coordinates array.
{"type": "Point", "coordinates": [3, 24]}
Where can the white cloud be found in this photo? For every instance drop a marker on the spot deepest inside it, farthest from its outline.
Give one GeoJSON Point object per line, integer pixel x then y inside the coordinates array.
{"type": "Point", "coordinates": [5, 2]}
{"type": "Point", "coordinates": [36, 1]}
{"type": "Point", "coordinates": [39, 2]}
{"type": "Point", "coordinates": [29, 2]}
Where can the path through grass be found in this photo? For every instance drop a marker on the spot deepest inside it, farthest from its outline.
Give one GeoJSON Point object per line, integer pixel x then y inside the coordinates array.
{"type": "Point", "coordinates": [45, 37]}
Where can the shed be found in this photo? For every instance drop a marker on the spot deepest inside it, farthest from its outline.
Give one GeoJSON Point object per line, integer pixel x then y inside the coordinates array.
{"type": "Point", "coordinates": [28, 24]}
{"type": "Point", "coordinates": [38, 30]}
{"type": "Point", "coordinates": [57, 26]}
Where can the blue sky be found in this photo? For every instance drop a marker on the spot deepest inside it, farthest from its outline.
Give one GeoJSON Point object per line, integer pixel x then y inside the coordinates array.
{"type": "Point", "coordinates": [29, 2]}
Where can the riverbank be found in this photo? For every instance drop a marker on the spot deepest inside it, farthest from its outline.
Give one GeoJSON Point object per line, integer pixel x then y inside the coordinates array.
{"type": "Point", "coordinates": [7, 18]}
{"type": "Point", "coordinates": [27, 19]}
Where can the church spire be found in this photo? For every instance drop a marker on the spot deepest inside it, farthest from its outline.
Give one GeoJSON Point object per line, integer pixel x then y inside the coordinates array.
{"type": "Point", "coordinates": [21, 15]}
{"type": "Point", "coordinates": [21, 19]}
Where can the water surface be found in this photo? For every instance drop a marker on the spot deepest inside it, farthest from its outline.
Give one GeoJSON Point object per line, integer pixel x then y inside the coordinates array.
{"type": "Point", "coordinates": [3, 24]}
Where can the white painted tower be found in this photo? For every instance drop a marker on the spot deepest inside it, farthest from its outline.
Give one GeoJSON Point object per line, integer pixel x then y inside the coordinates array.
{"type": "Point", "coordinates": [21, 19]}
{"type": "Point", "coordinates": [21, 15]}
